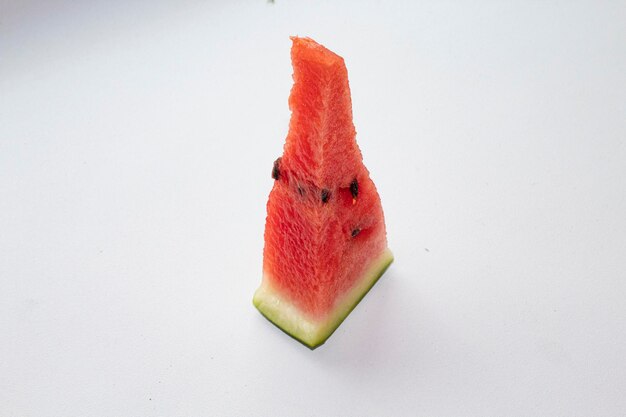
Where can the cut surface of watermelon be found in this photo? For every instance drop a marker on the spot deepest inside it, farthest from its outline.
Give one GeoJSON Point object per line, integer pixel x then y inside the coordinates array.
{"type": "Point", "coordinates": [325, 237]}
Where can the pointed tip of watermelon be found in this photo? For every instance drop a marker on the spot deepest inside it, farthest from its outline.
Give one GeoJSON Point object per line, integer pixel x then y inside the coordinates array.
{"type": "Point", "coordinates": [309, 50]}
{"type": "Point", "coordinates": [310, 332]}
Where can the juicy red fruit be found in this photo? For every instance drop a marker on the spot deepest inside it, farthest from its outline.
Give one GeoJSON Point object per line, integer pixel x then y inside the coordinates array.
{"type": "Point", "coordinates": [325, 223]}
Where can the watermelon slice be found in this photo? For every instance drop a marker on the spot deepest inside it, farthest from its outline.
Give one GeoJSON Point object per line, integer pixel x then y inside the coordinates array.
{"type": "Point", "coordinates": [325, 237]}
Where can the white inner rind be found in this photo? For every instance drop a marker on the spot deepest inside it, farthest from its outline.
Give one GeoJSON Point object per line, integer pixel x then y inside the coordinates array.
{"type": "Point", "coordinates": [308, 330]}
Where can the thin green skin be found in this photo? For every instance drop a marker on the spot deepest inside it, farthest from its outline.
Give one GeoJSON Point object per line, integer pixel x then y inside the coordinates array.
{"type": "Point", "coordinates": [325, 337]}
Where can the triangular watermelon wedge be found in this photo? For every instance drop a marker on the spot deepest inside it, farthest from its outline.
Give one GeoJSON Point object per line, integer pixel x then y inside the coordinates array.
{"type": "Point", "coordinates": [325, 237]}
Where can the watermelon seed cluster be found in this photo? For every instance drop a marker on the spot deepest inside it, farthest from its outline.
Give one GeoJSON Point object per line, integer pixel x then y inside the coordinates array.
{"type": "Point", "coordinates": [325, 195]}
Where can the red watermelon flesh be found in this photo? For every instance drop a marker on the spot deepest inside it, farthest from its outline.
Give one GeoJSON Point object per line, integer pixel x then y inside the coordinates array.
{"type": "Point", "coordinates": [325, 238]}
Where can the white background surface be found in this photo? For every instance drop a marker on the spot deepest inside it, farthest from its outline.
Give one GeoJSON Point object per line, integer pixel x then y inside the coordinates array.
{"type": "Point", "coordinates": [136, 144]}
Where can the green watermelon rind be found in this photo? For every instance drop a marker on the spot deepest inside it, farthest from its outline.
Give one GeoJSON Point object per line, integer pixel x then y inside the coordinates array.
{"type": "Point", "coordinates": [309, 332]}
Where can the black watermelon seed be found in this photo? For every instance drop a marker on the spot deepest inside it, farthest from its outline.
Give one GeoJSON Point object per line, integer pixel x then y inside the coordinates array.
{"type": "Point", "coordinates": [276, 169]}
{"type": "Point", "coordinates": [300, 190]}
{"type": "Point", "coordinates": [354, 188]}
{"type": "Point", "coordinates": [325, 195]}
{"type": "Point", "coordinates": [355, 232]}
